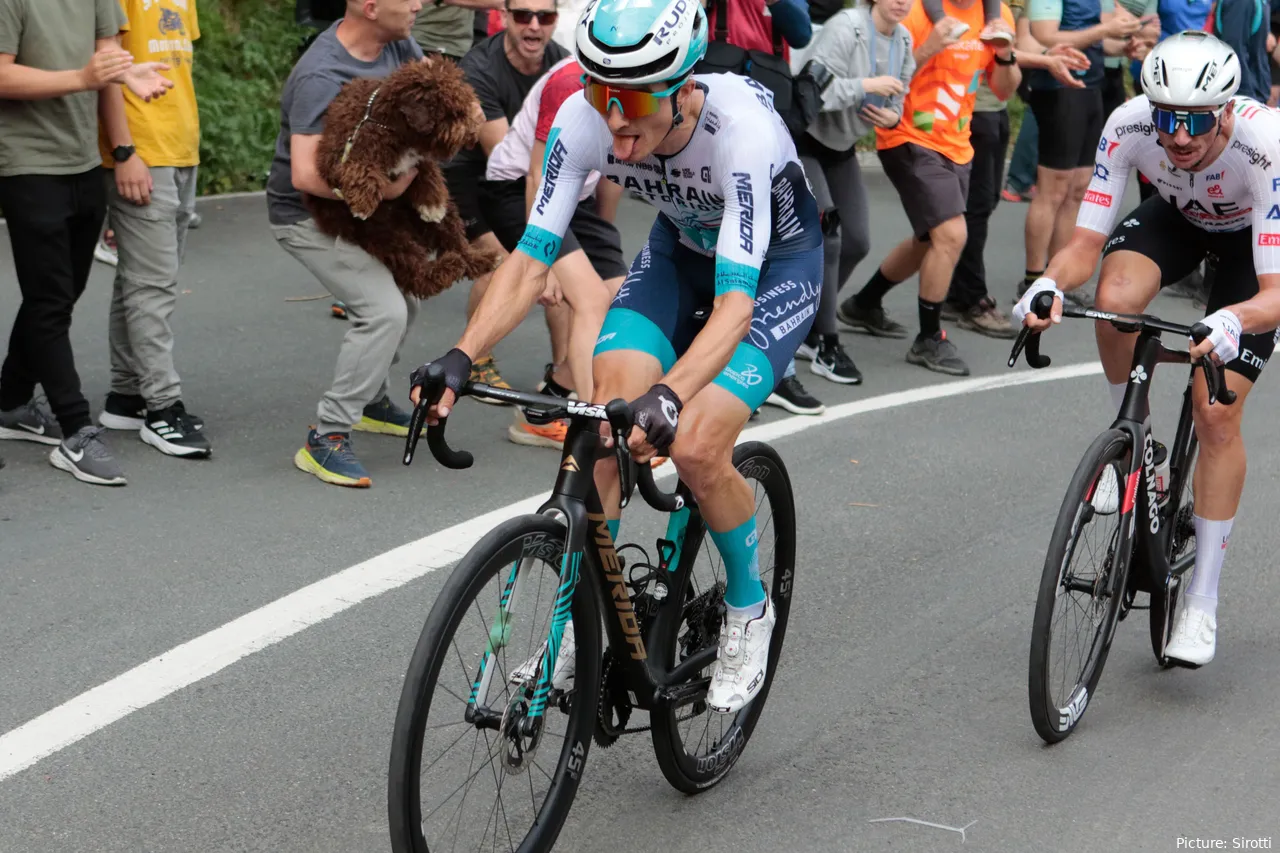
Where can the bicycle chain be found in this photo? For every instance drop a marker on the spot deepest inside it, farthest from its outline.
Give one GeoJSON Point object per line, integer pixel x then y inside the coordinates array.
{"type": "Point", "coordinates": [606, 731]}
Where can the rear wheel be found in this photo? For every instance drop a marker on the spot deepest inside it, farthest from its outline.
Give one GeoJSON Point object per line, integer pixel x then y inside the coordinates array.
{"type": "Point", "coordinates": [695, 746]}
{"type": "Point", "coordinates": [1081, 590]}
{"type": "Point", "coordinates": [474, 764]}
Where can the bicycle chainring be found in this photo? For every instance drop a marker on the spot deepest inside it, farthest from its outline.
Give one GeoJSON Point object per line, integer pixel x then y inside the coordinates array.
{"type": "Point", "coordinates": [613, 711]}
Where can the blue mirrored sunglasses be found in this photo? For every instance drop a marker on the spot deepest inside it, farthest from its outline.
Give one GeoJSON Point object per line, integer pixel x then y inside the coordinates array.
{"type": "Point", "coordinates": [1197, 124]}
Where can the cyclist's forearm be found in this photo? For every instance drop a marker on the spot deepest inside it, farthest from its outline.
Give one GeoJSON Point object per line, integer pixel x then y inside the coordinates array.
{"type": "Point", "coordinates": [514, 288]}
{"type": "Point", "coordinates": [1075, 263]}
{"type": "Point", "coordinates": [712, 347]}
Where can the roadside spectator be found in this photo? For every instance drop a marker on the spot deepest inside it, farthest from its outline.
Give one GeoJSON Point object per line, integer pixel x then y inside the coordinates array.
{"type": "Point", "coordinates": [371, 40]}
{"type": "Point", "coordinates": [589, 269]}
{"type": "Point", "coordinates": [1114, 93]}
{"type": "Point", "coordinates": [55, 60]}
{"type": "Point", "coordinates": [1069, 120]}
{"type": "Point", "coordinates": [447, 27]}
{"type": "Point", "coordinates": [1245, 26]}
{"type": "Point", "coordinates": [502, 69]}
{"type": "Point", "coordinates": [928, 160]}
{"type": "Point", "coordinates": [1020, 186]}
{"type": "Point", "coordinates": [969, 303]}
{"type": "Point", "coordinates": [868, 52]}
{"type": "Point", "coordinates": [151, 193]}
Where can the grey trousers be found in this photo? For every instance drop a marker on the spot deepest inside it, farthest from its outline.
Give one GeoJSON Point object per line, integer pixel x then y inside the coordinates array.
{"type": "Point", "coordinates": [151, 240]}
{"type": "Point", "coordinates": [380, 317]}
{"type": "Point", "coordinates": [839, 184]}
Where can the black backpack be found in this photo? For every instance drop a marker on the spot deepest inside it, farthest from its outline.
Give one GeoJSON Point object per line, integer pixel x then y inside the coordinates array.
{"type": "Point", "coordinates": [796, 99]}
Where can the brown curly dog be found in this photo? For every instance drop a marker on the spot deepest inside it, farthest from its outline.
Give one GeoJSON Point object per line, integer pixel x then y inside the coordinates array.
{"type": "Point", "coordinates": [375, 131]}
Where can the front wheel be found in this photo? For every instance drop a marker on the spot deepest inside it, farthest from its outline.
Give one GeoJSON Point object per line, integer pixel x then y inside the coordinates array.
{"type": "Point", "coordinates": [1081, 589]}
{"type": "Point", "coordinates": [695, 746]}
{"type": "Point", "coordinates": [485, 754]}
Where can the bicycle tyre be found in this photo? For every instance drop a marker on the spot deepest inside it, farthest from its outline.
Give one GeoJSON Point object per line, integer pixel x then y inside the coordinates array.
{"type": "Point", "coordinates": [456, 599]}
{"type": "Point", "coordinates": [1180, 550]}
{"type": "Point", "coordinates": [1055, 722]}
{"type": "Point", "coordinates": [760, 463]}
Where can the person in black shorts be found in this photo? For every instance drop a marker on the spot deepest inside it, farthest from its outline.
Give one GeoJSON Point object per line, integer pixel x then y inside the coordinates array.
{"type": "Point", "coordinates": [502, 69]}
{"type": "Point", "coordinates": [1070, 120]}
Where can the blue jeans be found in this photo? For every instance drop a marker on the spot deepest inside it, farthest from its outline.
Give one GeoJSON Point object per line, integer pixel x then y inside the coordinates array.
{"type": "Point", "coordinates": [1026, 155]}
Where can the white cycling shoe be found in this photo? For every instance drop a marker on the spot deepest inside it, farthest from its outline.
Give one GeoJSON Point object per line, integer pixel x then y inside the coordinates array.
{"type": "Point", "coordinates": [1195, 636]}
{"type": "Point", "coordinates": [1106, 492]}
{"type": "Point", "coordinates": [566, 663]}
{"type": "Point", "coordinates": [742, 661]}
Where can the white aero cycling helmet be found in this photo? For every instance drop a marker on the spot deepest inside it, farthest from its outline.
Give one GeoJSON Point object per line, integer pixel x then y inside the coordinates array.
{"type": "Point", "coordinates": [1191, 69]}
{"type": "Point", "coordinates": [640, 41]}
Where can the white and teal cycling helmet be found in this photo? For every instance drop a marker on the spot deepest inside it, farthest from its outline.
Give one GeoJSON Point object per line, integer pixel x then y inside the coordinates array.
{"type": "Point", "coordinates": [1190, 70]}
{"type": "Point", "coordinates": [635, 42]}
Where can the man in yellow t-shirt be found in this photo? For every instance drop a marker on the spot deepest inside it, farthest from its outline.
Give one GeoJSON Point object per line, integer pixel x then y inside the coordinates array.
{"type": "Point", "coordinates": [926, 155]}
{"type": "Point", "coordinates": [151, 193]}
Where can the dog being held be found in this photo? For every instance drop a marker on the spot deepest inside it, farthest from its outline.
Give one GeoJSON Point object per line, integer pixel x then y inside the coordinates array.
{"type": "Point", "coordinates": [376, 131]}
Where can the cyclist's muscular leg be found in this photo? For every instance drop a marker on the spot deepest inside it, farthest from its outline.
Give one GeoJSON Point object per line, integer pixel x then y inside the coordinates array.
{"type": "Point", "coordinates": [1220, 471]}
{"type": "Point", "coordinates": [1127, 284]}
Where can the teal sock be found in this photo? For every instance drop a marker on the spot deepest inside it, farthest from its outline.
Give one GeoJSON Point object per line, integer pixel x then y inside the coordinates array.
{"type": "Point", "coordinates": [741, 565]}
{"type": "Point", "coordinates": [614, 524]}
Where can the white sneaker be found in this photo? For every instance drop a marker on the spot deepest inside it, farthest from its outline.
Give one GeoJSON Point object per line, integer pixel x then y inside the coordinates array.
{"type": "Point", "coordinates": [1194, 637]}
{"type": "Point", "coordinates": [742, 662]}
{"type": "Point", "coordinates": [566, 663]}
{"type": "Point", "coordinates": [1106, 492]}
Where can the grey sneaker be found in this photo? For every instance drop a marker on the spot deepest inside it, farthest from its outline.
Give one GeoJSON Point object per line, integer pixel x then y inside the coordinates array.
{"type": "Point", "coordinates": [870, 321]}
{"type": "Point", "coordinates": [86, 457]}
{"type": "Point", "coordinates": [937, 353]}
{"type": "Point", "coordinates": [30, 422]}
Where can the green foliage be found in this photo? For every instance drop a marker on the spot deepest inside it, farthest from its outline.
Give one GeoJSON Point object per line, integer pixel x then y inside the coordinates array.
{"type": "Point", "coordinates": [245, 52]}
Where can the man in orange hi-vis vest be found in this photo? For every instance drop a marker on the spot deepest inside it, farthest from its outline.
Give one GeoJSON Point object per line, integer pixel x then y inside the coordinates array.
{"type": "Point", "coordinates": [926, 155]}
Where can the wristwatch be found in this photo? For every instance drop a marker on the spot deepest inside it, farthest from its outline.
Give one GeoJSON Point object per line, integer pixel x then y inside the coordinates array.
{"type": "Point", "coordinates": [122, 152]}
{"type": "Point", "coordinates": [1012, 60]}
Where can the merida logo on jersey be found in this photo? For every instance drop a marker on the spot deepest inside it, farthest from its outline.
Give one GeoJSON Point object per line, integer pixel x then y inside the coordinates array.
{"type": "Point", "coordinates": [746, 225]}
{"type": "Point", "coordinates": [1256, 158]}
{"type": "Point", "coordinates": [554, 161]}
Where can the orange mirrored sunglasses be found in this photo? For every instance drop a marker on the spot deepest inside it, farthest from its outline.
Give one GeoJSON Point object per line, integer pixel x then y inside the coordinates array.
{"type": "Point", "coordinates": [633, 103]}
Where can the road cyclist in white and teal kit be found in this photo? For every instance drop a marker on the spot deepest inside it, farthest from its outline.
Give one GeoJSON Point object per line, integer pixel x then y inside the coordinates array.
{"type": "Point", "coordinates": [714, 306]}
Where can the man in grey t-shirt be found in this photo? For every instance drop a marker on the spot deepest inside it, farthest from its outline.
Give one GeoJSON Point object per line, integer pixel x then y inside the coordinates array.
{"type": "Point", "coordinates": [57, 60]}
{"type": "Point", "coordinates": [371, 40]}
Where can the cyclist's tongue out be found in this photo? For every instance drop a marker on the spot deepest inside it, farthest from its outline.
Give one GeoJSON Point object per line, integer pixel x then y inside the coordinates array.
{"type": "Point", "coordinates": [624, 146]}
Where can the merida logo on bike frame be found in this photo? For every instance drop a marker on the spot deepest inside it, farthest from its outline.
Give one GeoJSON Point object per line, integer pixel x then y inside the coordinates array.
{"type": "Point", "coordinates": [618, 587]}
{"type": "Point", "coordinates": [554, 161]}
{"type": "Point", "coordinates": [746, 227]}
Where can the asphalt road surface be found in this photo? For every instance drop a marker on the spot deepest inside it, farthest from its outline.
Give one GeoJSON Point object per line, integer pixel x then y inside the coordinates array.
{"type": "Point", "coordinates": [902, 687]}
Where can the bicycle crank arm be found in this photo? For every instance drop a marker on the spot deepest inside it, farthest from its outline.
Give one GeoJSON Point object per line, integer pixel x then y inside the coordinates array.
{"type": "Point", "coordinates": [691, 666]}
{"type": "Point", "coordinates": [679, 695]}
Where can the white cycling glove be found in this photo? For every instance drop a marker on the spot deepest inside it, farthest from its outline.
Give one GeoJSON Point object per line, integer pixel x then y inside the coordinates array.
{"type": "Point", "coordinates": [1041, 285]}
{"type": "Point", "coordinates": [1224, 334]}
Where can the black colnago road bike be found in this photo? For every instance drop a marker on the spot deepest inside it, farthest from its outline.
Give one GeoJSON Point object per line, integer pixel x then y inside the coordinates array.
{"type": "Point", "coordinates": [1119, 531]}
{"type": "Point", "coordinates": [489, 746]}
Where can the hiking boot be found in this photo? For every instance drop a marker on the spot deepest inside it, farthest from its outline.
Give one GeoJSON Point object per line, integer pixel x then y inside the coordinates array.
{"type": "Point", "coordinates": [985, 319]}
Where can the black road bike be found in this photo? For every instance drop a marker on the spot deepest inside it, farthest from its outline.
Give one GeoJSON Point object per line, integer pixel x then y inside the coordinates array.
{"type": "Point", "coordinates": [488, 752]}
{"type": "Point", "coordinates": [1142, 540]}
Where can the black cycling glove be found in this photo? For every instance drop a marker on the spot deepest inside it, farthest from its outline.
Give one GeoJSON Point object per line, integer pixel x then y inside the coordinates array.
{"type": "Point", "coordinates": [657, 413]}
{"type": "Point", "coordinates": [457, 370]}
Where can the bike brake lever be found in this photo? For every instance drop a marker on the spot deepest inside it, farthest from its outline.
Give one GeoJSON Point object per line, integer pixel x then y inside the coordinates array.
{"type": "Point", "coordinates": [620, 422]}
{"type": "Point", "coordinates": [1041, 306]}
{"type": "Point", "coordinates": [432, 387]}
{"type": "Point", "coordinates": [1215, 375]}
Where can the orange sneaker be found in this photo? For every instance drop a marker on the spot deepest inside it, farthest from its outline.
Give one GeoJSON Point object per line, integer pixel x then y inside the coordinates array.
{"type": "Point", "coordinates": [538, 435]}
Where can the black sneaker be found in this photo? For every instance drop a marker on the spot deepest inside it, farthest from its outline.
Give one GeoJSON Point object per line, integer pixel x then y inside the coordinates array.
{"type": "Point", "coordinates": [870, 321]}
{"type": "Point", "coordinates": [937, 353]}
{"type": "Point", "coordinates": [790, 395]}
{"type": "Point", "coordinates": [809, 349]}
{"type": "Point", "coordinates": [123, 411]}
{"type": "Point", "coordinates": [171, 431]}
{"type": "Point", "coordinates": [833, 363]}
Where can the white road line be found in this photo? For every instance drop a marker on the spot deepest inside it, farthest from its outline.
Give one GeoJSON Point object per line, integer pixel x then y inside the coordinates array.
{"type": "Point", "coordinates": [205, 655]}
